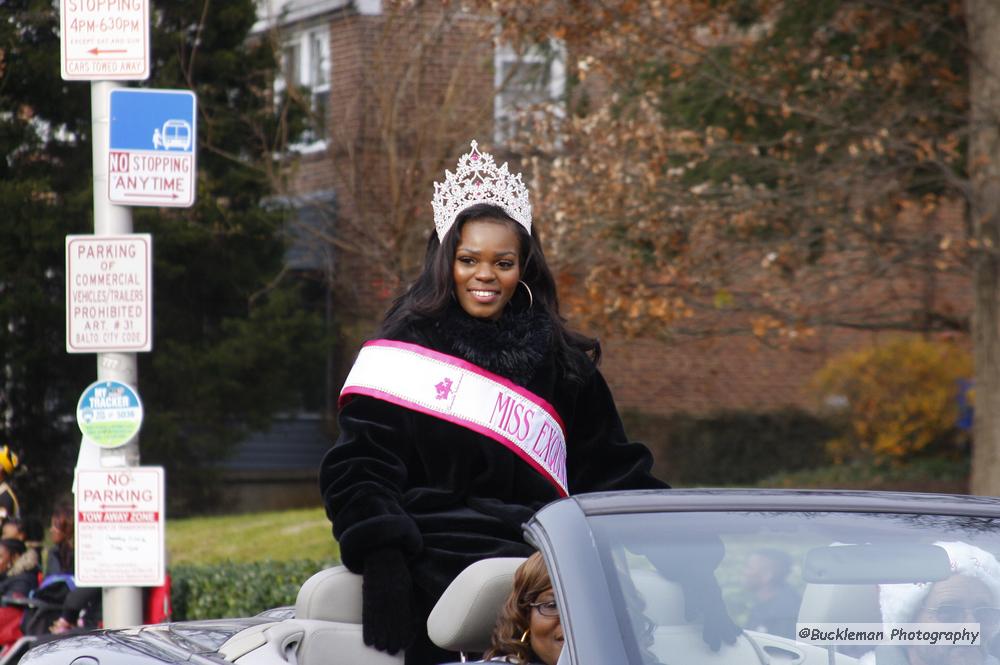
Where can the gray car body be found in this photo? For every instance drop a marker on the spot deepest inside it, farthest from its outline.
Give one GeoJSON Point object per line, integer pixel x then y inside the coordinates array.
{"type": "Point", "coordinates": [562, 532]}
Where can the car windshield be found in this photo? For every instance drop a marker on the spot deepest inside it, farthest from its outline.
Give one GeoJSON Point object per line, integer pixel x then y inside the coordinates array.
{"type": "Point", "coordinates": [782, 572]}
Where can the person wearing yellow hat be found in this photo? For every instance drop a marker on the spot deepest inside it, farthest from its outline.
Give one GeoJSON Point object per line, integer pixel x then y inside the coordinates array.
{"type": "Point", "coordinates": [8, 500]}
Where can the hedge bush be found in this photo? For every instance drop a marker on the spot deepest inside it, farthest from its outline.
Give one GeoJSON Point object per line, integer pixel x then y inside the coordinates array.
{"type": "Point", "coordinates": [901, 399]}
{"type": "Point", "coordinates": [732, 447]}
{"type": "Point", "coordinates": [215, 591]}
{"type": "Point", "coordinates": [917, 475]}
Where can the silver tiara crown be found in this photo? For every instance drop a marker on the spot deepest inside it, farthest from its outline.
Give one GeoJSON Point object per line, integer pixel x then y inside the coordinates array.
{"type": "Point", "coordinates": [478, 180]}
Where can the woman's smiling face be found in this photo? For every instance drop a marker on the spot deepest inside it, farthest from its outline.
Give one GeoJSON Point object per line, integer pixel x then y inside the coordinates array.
{"type": "Point", "coordinates": [487, 267]}
{"type": "Point", "coordinates": [546, 632]}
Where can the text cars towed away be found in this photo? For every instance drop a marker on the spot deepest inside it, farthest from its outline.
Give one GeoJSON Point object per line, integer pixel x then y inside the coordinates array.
{"type": "Point", "coordinates": [104, 40]}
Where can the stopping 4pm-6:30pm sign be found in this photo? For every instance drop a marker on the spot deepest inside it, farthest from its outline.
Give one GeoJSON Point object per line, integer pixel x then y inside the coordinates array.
{"type": "Point", "coordinates": [104, 40]}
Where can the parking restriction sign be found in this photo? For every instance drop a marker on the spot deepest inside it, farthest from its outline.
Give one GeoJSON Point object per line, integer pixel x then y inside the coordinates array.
{"type": "Point", "coordinates": [153, 137]}
{"type": "Point", "coordinates": [109, 293]}
{"type": "Point", "coordinates": [104, 40]}
{"type": "Point", "coordinates": [119, 527]}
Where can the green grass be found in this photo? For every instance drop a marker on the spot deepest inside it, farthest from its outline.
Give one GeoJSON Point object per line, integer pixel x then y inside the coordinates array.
{"type": "Point", "coordinates": [276, 536]}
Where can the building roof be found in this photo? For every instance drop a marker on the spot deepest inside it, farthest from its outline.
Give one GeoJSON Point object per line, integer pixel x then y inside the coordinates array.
{"type": "Point", "coordinates": [295, 442]}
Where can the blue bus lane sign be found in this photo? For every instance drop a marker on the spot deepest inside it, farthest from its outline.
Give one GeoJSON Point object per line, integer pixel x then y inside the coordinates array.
{"type": "Point", "coordinates": [109, 413]}
{"type": "Point", "coordinates": [151, 161]}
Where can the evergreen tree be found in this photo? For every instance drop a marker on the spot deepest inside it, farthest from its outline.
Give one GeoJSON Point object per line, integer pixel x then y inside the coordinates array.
{"type": "Point", "coordinates": [234, 340]}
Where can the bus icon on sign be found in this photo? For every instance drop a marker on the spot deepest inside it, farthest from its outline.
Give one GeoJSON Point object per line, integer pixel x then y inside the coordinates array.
{"type": "Point", "coordinates": [174, 134]}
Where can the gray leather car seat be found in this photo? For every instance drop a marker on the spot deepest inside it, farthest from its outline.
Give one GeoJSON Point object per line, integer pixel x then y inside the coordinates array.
{"type": "Point", "coordinates": [327, 621]}
{"type": "Point", "coordinates": [464, 616]}
{"type": "Point", "coordinates": [848, 603]}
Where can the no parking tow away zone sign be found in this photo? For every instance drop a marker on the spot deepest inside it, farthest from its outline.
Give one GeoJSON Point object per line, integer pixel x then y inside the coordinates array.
{"type": "Point", "coordinates": [119, 527]}
{"type": "Point", "coordinates": [151, 161]}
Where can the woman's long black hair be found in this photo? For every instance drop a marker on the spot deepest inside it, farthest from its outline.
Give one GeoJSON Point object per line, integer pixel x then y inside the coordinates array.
{"type": "Point", "coordinates": [430, 296]}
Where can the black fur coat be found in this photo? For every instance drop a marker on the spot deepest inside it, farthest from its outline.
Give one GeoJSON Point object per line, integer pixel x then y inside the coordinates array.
{"type": "Point", "coordinates": [447, 496]}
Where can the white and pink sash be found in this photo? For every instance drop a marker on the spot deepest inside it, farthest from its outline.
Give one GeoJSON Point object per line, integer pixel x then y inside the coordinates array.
{"type": "Point", "coordinates": [455, 390]}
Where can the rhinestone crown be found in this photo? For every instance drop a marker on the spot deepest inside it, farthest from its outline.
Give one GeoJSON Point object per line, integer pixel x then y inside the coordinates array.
{"type": "Point", "coordinates": [478, 180]}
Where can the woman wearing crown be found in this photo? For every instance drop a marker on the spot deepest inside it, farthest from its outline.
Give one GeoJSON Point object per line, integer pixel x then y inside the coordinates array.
{"type": "Point", "coordinates": [474, 407]}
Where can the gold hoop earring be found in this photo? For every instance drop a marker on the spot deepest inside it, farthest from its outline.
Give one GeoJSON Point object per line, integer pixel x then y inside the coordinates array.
{"type": "Point", "coordinates": [531, 298]}
{"type": "Point", "coordinates": [524, 636]}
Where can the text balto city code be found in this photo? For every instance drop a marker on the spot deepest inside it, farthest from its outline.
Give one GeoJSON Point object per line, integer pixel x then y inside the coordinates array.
{"type": "Point", "coordinates": [104, 5]}
{"type": "Point", "coordinates": [102, 252]}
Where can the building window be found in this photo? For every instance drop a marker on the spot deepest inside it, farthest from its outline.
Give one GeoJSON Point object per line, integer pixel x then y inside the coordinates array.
{"type": "Point", "coordinates": [306, 64]}
{"type": "Point", "coordinates": [523, 81]}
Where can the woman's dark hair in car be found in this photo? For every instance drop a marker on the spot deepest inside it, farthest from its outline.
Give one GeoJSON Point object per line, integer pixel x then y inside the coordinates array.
{"type": "Point", "coordinates": [531, 579]}
{"type": "Point", "coordinates": [430, 295]}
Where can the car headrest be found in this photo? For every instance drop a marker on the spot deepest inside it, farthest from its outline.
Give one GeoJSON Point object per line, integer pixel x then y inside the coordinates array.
{"type": "Point", "coordinates": [464, 617]}
{"type": "Point", "coordinates": [333, 594]}
{"type": "Point", "coordinates": [840, 603]}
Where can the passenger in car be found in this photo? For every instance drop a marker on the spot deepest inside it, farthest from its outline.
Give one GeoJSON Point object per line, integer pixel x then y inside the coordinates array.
{"type": "Point", "coordinates": [475, 406]}
{"type": "Point", "coordinates": [528, 628]}
{"type": "Point", "coordinates": [970, 595]}
{"type": "Point", "coordinates": [776, 603]}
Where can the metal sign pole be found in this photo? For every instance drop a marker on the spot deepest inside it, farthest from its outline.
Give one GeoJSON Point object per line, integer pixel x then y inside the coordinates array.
{"type": "Point", "coordinates": [122, 606]}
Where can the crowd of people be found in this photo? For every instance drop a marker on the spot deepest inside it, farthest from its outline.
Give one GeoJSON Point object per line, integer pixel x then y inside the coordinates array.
{"type": "Point", "coordinates": [38, 595]}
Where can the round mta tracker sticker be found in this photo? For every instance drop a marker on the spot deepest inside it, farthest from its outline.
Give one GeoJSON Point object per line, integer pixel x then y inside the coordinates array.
{"type": "Point", "coordinates": [109, 413]}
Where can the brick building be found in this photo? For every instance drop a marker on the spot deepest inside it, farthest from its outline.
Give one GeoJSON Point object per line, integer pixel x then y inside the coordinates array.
{"type": "Point", "coordinates": [398, 93]}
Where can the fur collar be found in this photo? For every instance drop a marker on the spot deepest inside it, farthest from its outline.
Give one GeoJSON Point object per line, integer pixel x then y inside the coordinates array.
{"type": "Point", "coordinates": [27, 562]}
{"type": "Point", "coordinates": [513, 346]}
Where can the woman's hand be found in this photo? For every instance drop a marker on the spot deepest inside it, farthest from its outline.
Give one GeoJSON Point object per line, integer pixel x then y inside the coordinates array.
{"type": "Point", "coordinates": [60, 625]}
{"type": "Point", "coordinates": [386, 602]}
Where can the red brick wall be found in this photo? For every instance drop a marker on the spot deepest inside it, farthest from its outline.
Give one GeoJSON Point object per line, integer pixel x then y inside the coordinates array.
{"type": "Point", "coordinates": [645, 374]}
{"type": "Point", "coordinates": [425, 114]}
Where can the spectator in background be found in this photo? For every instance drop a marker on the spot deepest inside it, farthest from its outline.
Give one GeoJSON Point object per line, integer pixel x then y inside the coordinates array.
{"type": "Point", "coordinates": [776, 603]}
{"type": "Point", "coordinates": [60, 558]}
{"type": "Point", "coordinates": [9, 506]}
{"type": "Point", "coordinates": [13, 529]}
{"type": "Point", "coordinates": [17, 576]}
{"type": "Point", "coordinates": [81, 606]}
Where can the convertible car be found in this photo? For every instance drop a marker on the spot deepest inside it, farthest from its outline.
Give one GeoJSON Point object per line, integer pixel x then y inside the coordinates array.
{"type": "Point", "coordinates": [790, 567]}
